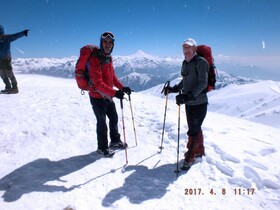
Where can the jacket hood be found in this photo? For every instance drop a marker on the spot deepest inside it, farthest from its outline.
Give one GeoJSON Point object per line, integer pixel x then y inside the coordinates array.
{"type": "Point", "coordinates": [101, 47]}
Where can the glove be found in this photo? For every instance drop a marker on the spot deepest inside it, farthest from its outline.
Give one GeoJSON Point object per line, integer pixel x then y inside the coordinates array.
{"type": "Point", "coordinates": [181, 99]}
{"type": "Point", "coordinates": [168, 89]}
{"type": "Point", "coordinates": [119, 94]}
{"type": "Point", "coordinates": [127, 90]}
{"type": "Point", "coordinates": [25, 32]}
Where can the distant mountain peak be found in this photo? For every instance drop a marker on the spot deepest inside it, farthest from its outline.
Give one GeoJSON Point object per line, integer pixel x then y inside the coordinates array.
{"type": "Point", "coordinates": [141, 54]}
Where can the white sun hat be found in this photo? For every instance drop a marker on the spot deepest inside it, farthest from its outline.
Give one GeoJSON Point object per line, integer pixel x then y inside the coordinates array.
{"type": "Point", "coordinates": [190, 42]}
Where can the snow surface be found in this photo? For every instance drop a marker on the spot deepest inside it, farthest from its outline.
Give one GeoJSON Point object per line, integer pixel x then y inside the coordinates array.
{"type": "Point", "coordinates": [48, 158]}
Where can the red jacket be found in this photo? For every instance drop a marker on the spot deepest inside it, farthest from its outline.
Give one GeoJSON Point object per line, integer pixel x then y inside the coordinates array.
{"type": "Point", "coordinates": [103, 79]}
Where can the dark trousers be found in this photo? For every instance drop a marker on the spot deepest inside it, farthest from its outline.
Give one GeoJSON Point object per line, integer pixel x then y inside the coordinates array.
{"type": "Point", "coordinates": [7, 74]}
{"type": "Point", "coordinates": [101, 109]}
{"type": "Point", "coordinates": [195, 116]}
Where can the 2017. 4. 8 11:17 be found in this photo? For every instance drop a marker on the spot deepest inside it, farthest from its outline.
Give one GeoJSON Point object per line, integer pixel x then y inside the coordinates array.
{"type": "Point", "coordinates": [223, 191]}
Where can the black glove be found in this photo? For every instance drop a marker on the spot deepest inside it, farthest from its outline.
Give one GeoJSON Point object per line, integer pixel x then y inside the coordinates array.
{"type": "Point", "coordinates": [25, 32]}
{"type": "Point", "coordinates": [181, 99]}
{"type": "Point", "coordinates": [119, 94]}
{"type": "Point", "coordinates": [127, 90]}
{"type": "Point", "coordinates": [168, 89]}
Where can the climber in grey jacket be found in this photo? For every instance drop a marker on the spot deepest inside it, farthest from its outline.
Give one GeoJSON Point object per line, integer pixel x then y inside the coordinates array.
{"type": "Point", "coordinates": [192, 89]}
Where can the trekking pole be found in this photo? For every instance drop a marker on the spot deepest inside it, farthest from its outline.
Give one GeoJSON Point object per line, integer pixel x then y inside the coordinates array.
{"type": "Point", "coordinates": [124, 138]}
{"type": "Point", "coordinates": [165, 109]}
{"type": "Point", "coordinates": [177, 167]}
{"type": "Point", "coordinates": [129, 98]}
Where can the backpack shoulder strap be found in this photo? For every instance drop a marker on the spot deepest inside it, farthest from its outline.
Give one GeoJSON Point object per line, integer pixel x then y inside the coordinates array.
{"type": "Point", "coordinates": [198, 57]}
{"type": "Point", "coordinates": [102, 59]}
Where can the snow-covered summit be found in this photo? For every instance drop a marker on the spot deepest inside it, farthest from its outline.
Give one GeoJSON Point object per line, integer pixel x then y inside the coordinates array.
{"type": "Point", "coordinates": [141, 54]}
{"type": "Point", "coordinates": [49, 160]}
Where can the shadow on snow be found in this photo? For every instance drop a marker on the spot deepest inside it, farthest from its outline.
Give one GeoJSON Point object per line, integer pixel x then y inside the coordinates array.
{"type": "Point", "coordinates": [33, 176]}
{"type": "Point", "coordinates": [143, 184]}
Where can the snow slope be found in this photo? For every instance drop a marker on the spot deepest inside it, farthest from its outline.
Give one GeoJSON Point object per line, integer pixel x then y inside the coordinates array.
{"type": "Point", "coordinates": [258, 102]}
{"type": "Point", "coordinates": [48, 158]}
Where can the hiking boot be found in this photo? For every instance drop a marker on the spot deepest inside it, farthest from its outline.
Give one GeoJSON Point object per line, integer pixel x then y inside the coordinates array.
{"type": "Point", "coordinates": [5, 91]}
{"type": "Point", "coordinates": [106, 152]}
{"type": "Point", "coordinates": [118, 145]}
{"type": "Point", "coordinates": [199, 155]}
{"type": "Point", "coordinates": [187, 165]}
{"type": "Point", "coordinates": [12, 91]}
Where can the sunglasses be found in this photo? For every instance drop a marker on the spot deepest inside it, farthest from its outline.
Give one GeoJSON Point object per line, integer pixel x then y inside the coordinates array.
{"type": "Point", "coordinates": [107, 34]}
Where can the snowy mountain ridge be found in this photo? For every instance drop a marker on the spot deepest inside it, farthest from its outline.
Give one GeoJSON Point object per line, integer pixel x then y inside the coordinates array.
{"type": "Point", "coordinates": [139, 71]}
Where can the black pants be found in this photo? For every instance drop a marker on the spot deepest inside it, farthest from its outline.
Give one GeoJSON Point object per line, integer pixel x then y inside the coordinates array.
{"type": "Point", "coordinates": [195, 116]}
{"type": "Point", "coordinates": [7, 74]}
{"type": "Point", "coordinates": [101, 109]}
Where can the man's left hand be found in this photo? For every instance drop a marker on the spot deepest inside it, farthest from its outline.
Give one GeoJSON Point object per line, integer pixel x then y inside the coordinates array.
{"type": "Point", "coordinates": [181, 99]}
{"type": "Point", "coordinates": [25, 32]}
{"type": "Point", "coordinates": [127, 90]}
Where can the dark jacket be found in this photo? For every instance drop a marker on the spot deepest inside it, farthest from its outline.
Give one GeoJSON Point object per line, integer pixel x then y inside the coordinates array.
{"type": "Point", "coordinates": [5, 40]}
{"type": "Point", "coordinates": [195, 80]}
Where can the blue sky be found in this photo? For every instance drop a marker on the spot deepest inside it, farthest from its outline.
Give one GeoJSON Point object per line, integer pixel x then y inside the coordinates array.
{"type": "Point", "coordinates": [58, 28]}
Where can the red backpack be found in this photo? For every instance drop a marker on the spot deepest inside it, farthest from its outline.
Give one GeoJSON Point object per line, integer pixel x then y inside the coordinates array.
{"type": "Point", "coordinates": [82, 70]}
{"type": "Point", "coordinates": [205, 52]}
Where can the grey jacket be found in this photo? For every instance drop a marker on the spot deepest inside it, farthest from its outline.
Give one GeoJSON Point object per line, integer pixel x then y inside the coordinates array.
{"type": "Point", "coordinates": [195, 79]}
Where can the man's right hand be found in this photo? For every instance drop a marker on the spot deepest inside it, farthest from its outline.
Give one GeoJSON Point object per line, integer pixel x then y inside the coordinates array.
{"type": "Point", "coordinates": [168, 89]}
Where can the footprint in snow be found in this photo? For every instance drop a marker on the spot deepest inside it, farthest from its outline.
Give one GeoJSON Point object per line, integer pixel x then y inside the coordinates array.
{"type": "Point", "coordinates": [255, 164]}
{"type": "Point", "coordinates": [267, 151]}
{"type": "Point", "coordinates": [254, 176]}
{"type": "Point", "coordinates": [225, 156]}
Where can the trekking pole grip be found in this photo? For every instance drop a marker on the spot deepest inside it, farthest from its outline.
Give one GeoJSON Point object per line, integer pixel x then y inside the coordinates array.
{"type": "Point", "coordinates": [121, 103]}
{"type": "Point", "coordinates": [167, 84]}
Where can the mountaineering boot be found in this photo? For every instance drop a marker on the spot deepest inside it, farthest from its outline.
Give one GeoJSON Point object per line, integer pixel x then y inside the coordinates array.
{"type": "Point", "coordinates": [192, 152]}
{"type": "Point", "coordinates": [189, 155]}
{"type": "Point", "coordinates": [195, 150]}
{"type": "Point", "coordinates": [5, 91]}
{"type": "Point", "coordinates": [106, 152]}
{"type": "Point", "coordinates": [118, 145]}
{"type": "Point", "coordinates": [7, 86]}
{"type": "Point", "coordinates": [12, 91]}
{"type": "Point", "coordinates": [187, 164]}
